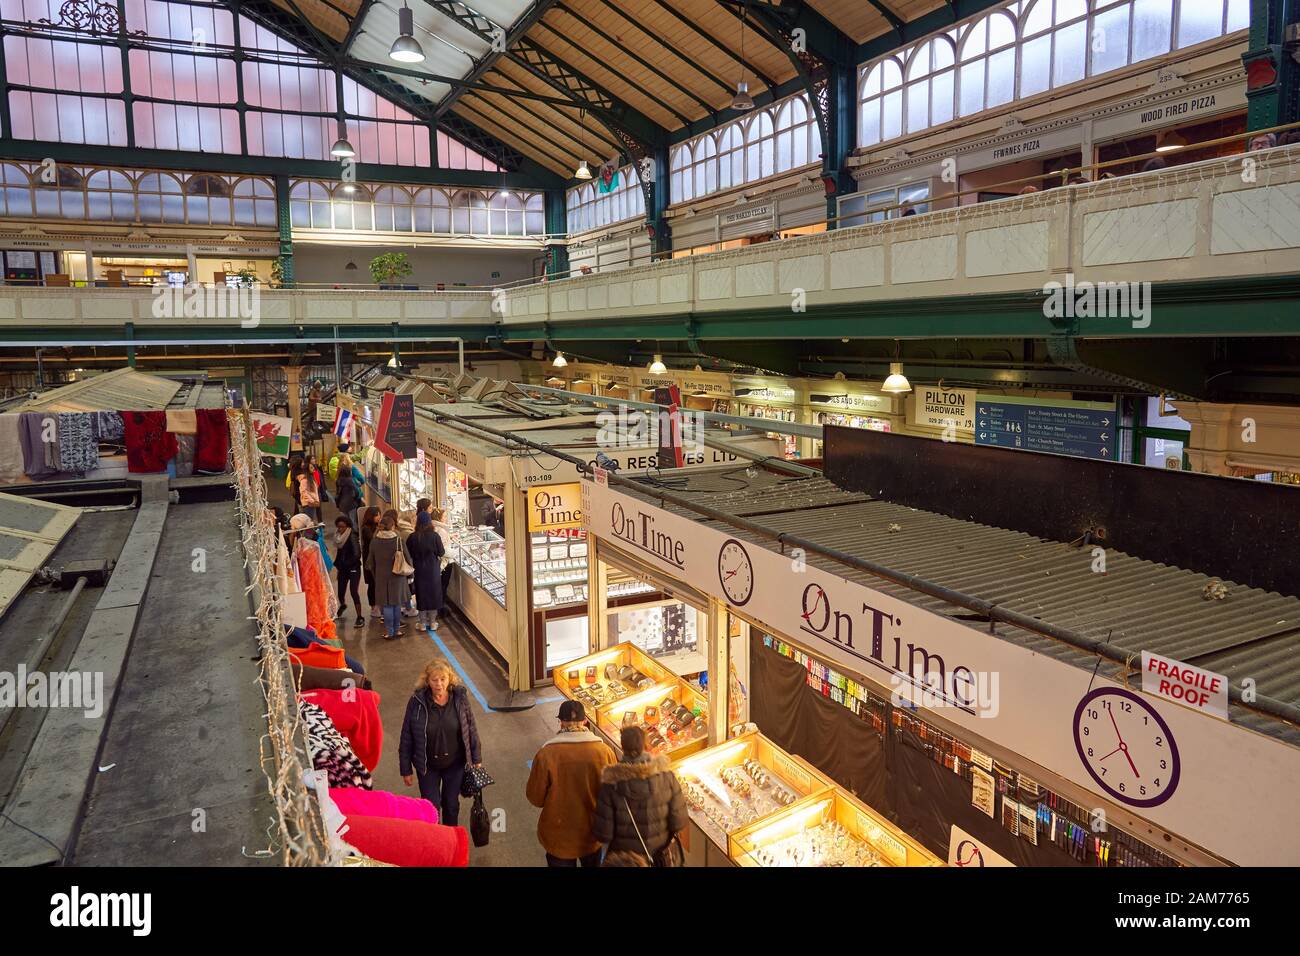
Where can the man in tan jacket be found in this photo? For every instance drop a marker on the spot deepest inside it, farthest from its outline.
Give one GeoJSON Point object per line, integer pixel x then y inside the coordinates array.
{"type": "Point", "coordinates": [564, 782]}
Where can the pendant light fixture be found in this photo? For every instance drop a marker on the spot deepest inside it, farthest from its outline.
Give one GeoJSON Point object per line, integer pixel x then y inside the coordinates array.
{"type": "Point", "coordinates": [560, 361]}
{"type": "Point", "coordinates": [896, 383]}
{"type": "Point", "coordinates": [406, 48]}
{"type": "Point", "coordinates": [742, 100]}
{"type": "Point", "coordinates": [657, 367]}
{"type": "Point", "coordinates": [583, 171]}
{"type": "Point", "coordinates": [342, 149]}
{"type": "Point", "coordinates": [1170, 141]}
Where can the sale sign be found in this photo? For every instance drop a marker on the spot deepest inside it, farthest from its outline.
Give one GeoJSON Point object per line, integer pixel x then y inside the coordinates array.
{"type": "Point", "coordinates": [1194, 686]}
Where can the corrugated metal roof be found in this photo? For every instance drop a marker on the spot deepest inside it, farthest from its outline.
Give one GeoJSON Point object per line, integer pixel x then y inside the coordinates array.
{"type": "Point", "coordinates": [1135, 605]}
{"type": "Point", "coordinates": [122, 390]}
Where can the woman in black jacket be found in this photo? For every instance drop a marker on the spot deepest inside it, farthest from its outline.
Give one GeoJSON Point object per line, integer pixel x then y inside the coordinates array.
{"type": "Point", "coordinates": [346, 494]}
{"type": "Point", "coordinates": [347, 565]}
{"type": "Point", "coordinates": [369, 525]}
{"type": "Point", "coordinates": [439, 739]}
{"type": "Point", "coordinates": [425, 547]}
{"type": "Point", "coordinates": [640, 806]}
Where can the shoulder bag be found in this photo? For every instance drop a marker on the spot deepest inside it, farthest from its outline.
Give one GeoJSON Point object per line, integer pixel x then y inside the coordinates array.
{"type": "Point", "coordinates": [401, 567]}
{"type": "Point", "coordinates": [671, 855]}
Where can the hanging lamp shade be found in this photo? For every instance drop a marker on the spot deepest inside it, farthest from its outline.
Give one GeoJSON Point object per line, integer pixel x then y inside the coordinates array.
{"type": "Point", "coordinates": [742, 100]}
{"type": "Point", "coordinates": [406, 48]}
{"type": "Point", "coordinates": [583, 171]}
{"type": "Point", "coordinates": [342, 148]}
{"type": "Point", "coordinates": [896, 383]}
{"type": "Point", "coordinates": [657, 367]}
{"type": "Point", "coordinates": [560, 361]}
{"type": "Point", "coordinates": [1170, 141]}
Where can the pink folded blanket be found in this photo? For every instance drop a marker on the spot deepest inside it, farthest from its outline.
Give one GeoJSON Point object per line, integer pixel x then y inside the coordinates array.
{"type": "Point", "coordinates": [353, 801]}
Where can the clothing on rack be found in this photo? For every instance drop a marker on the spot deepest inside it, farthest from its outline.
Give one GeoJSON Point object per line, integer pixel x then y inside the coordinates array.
{"type": "Point", "coordinates": [149, 446]}
{"type": "Point", "coordinates": [181, 421]}
{"type": "Point", "coordinates": [318, 655]}
{"type": "Point", "coordinates": [355, 714]}
{"type": "Point", "coordinates": [185, 456]}
{"type": "Point", "coordinates": [330, 750]}
{"type": "Point", "coordinates": [108, 426]}
{"type": "Point", "coordinates": [381, 803]}
{"type": "Point", "coordinates": [36, 431]}
{"type": "Point", "coordinates": [322, 602]}
{"type": "Point", "coordinates": [78, 444]}
{"type": "Point", "coordinates": [213, 440]}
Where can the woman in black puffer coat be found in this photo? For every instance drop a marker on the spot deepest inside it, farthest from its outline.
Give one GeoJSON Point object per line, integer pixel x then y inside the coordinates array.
{"type": "Point", "coordinates": [643, 789]}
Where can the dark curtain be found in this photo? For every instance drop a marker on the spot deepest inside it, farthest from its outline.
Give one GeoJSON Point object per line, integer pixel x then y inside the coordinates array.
{"type": "Point", "coordinates": [904, 783]}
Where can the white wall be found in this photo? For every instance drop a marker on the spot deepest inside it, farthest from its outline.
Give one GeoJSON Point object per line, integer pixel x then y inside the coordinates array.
{"type": "Point", "coordinates": [328, 264]}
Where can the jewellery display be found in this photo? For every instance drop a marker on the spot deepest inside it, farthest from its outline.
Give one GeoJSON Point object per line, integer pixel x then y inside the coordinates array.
{"type": "Point", "coordinates": [828, 844]}
{"type": "Point", "coordinates": [559, 569]}
{"type": "Point", "coordinates": [480, 554]}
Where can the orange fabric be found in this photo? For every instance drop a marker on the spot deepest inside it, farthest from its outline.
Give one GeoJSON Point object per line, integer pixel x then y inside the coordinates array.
{"type": "Point", "coordinates": [318, 655]}
{"type": "Point", "coordinates": [316, 585]}
{"type": "Point", "coordinates": [355, 713]}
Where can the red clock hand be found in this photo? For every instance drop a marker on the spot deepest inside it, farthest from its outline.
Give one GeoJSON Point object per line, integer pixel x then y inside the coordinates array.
{"type": "Point", "coordinates": [1118, 735]}
{"type": "Point", "coordinates": [1111, 754]}
{"type": "Point", "coordinates": [1124, 747]}
{"type": "Point", "coordinates": [731, 574]}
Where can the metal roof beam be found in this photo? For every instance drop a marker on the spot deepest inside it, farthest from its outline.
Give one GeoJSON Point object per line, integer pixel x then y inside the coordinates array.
{"type": "Point", "coordinates": [501, 42]}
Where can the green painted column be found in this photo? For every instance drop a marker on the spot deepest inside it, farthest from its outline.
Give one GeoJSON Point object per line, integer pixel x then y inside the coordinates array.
{"type": "Point", "coordinates": [285, 222]}
{"type": "Point", "coordinates": [557, 224]}
{"type": "Point", "coordinates": [1272, 76]}
{"type": "Point", "coordinates": [661, 237]}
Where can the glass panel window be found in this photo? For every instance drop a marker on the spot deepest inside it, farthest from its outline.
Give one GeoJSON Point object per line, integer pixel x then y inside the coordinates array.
{"type": "Point", "coordinates": [1199, 21]}
{"type": "Point", "coordinates": [1152, 28]}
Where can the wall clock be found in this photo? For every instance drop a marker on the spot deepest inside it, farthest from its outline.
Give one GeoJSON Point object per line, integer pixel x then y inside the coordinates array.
{"type": "Point", "coordinates": [735, 572]}
{"type": "Point", "coordinates": [1127, 747]}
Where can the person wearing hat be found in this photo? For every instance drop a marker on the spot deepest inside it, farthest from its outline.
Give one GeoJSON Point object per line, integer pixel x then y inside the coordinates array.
{"type": "Point", "coordinates": [564, 781]}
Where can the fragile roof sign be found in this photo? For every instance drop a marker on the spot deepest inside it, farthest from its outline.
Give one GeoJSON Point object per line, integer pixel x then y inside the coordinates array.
{"type": "Point", "coordinates": [1192, 686]}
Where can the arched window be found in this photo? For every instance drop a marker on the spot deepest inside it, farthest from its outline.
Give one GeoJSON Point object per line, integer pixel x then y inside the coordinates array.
{"type": "Point", "coordinates": [588, 208]}
{"type": "Point", "coordinates": [160, 199]}
{"type": "Point", "coordinates": [760, 147]}
{"type": "Point", "coordinates": [17, 190]}
{"type": "Point", "coordinates": [65, 198]}
{"type": "Point", "coordinates": [1024, 49]}
{"type": "Point", "coordinates": [731, 156]}
{"type": "Point", "coordinates": [679, 164]}
{"type": "Point", "coordinates": [534, 215]}
{"type": "Point", "coordinates": [309, 206]}
{"type": "Point", "coordinates": [254, 202]}
{"type": "Point", "coordinates": [393, 209]}
{"type": "Point", "coordinates": [110, 195]}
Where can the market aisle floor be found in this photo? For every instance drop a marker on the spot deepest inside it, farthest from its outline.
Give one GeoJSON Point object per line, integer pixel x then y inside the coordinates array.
{"type": "Point", "coordinates": [510, 739]}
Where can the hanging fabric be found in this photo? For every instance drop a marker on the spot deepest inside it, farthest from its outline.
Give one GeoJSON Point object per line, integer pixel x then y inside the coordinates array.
{"type": "Point", "coordinates": [213, 436]}
{"type": "Point", "coordinates": [149, 446]}
{"type": "Point", "coordinates": [355, 714]}
{"type": "Point", "coordinates": [34, 430]}
{"type": "Point", "coordinates": [182, 421]}
{"type": "Point", "coordinates": [108, 426]}
{"type": "Point", "coordinates": [322, 602]}
{"type": "Point", "coordinates": [11, 448]}
{"type": "Point", "coordinates": [78, 444]}
{"type": "Point", "coordinates": [330, 750]}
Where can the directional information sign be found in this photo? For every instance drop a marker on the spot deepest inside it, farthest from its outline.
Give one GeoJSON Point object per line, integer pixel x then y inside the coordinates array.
{"type": "Point", "coordinates": [1059, 426]}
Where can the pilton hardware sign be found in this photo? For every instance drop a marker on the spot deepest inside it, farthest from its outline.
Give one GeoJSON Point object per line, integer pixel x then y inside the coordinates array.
{"type": "Point", "coordinates": [1162, 760]}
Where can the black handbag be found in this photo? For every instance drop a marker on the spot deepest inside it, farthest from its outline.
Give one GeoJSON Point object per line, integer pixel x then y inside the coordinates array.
{"type": "Point", "coordinates": [480, 825]}
{"type": "Point", "coordinates": [476, 778]}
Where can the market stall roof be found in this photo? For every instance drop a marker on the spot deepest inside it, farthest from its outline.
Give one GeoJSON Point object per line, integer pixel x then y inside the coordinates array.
{"type": "Point", "coordinates": [30, 530]}
{"type": "Point", "coordinates": [122, 390]}
{"type": "Point", "coordinates": [1136, 605]}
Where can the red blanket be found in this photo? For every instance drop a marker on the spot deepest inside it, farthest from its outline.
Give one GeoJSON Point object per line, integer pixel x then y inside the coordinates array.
{"type": "Point", "coordinates": [149, 446]}
{"type": "Point", "coordinates": [408, 842]}
{"type": "Point", "coordinates": [356, 715]}
{"type": "Point", "coordinates": [213, 440]}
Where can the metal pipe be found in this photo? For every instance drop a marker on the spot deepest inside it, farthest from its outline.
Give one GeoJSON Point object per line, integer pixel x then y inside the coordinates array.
{"type": "Point", "coordinates": [1280, 710]}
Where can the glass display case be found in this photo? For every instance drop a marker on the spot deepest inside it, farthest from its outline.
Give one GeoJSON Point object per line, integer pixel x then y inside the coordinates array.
{"type": "Point", "coordinates": [830, 828]}
{"type": "Point", "coordinates": [481, 555]}
{"type": "Point", "coordinates": [415, 481]}
{"type": "Point", "coordinates": [609, 675]}
{"type": "Point", "coordinates": [672, 714]}
{"type": "Point", "coordinates": [742, 781]}
{"type": "Point", "coordinates": [559, 564]}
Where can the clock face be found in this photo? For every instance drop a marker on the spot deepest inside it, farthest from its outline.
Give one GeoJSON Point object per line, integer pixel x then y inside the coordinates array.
{"type": "Point", "coordinates": [736, 572]}
{"type": "Point", "coordinates": [1127, 747]}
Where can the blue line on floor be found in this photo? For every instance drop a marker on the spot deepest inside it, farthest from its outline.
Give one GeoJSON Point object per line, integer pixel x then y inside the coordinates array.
{"type": "Point", "coordinates": [451, 658]}
{"type": "Point", "coordinates": [547, 700]}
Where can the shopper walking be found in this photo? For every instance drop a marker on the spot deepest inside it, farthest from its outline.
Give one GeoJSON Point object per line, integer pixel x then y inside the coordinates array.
{"type": "Point", "coordinates": [347, 496]}
{"type": "Point", "coordinates": [308, 491]}
{"type": "Point", "coordinates": [347, 566]}
{"type": "Point", "coordinates": [564, 782]}
{"type": "Point", "coordinates": [426, 550]}
{"type": "Point", "coordinates": [369, 525]}
{"type": "Point", "coordinates": [640, 807]}
{"type": "Point", "coordinates": [439, 739]}
{"type": "Point", "coordinates": [391, 590]}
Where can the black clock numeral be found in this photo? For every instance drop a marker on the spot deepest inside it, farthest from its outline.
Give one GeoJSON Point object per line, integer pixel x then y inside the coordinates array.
{"type": "Point", "coordinates": [1085, 731]}
{"type": "Point", "coordinates": [1089, 751]}
{"type": "Point", "coordinates": [1163, 765]}
{"type": "Point", "coordinates": [1160, 741]}
{"type": "Point", "coordinates": [1144, 790]}
{"type": "Point", "coordinates": [1121, 788]}
{"type": "Point", "coordinates": [1126, 706]}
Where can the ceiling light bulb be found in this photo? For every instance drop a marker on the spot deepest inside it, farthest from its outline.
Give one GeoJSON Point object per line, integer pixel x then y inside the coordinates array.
{"type": "Point", "coordinates": [349, 188]}
{"type": "Point", "coordinates": [1170, 141]}
{"type": "Point", "coordinates": [560, 361]}
{"type": "Point", "coordinates": [742, 100]}
{"type": "Point", "coordinates": [583, 171]}
{"type": "Point", "coordinates": [897, 383]}
{"type": "Point", "coordinates": [393, 362]}
{"type": "Point", "coordinates": [406, 48]}
{"type": "Point", "coordinates": [657, 367]}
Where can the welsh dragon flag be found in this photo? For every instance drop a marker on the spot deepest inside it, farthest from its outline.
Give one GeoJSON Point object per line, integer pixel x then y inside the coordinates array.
{"type": "Point", "coordinates": [607, 181]}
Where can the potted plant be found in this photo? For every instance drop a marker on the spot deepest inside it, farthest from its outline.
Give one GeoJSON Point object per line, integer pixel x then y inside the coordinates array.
{"type": "Point", "coordinates": [246, 277]}
{"type": "Point", "coordinates": [277, 272]}
{"type": "Point", "coordinates": [388, 268]}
